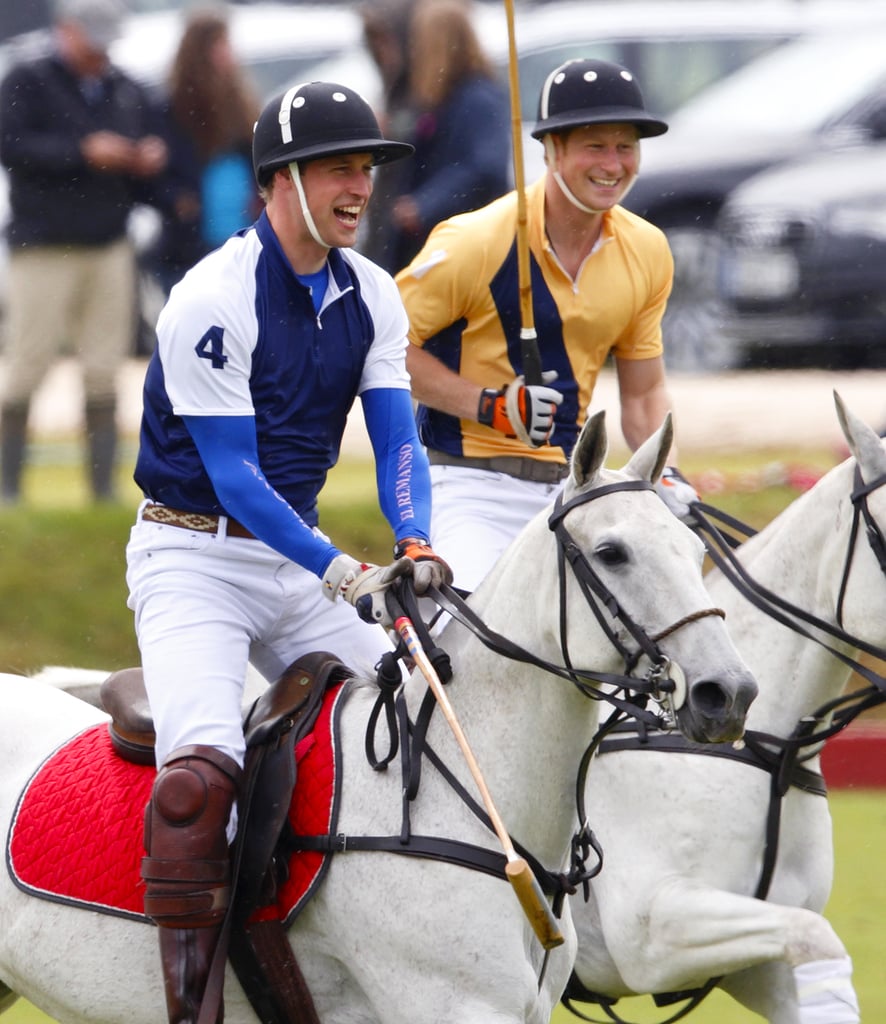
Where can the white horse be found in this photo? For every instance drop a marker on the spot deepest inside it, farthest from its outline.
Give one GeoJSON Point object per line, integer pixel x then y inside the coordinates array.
{"type": "Point", "coordinates": [674, 904]}
{"type": "Point", "coordinates": [402, 940]}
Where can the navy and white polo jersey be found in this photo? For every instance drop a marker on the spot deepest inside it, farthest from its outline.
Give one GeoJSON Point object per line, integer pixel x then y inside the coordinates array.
{"type": "Point", "coordinates": [240, 337]}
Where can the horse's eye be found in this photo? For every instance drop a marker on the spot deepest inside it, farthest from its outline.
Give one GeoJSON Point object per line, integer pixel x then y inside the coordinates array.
{"type": "Point", "coordinates": [611, 554]}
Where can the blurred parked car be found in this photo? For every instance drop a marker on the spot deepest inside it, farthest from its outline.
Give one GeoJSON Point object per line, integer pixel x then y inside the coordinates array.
{"type": "Point", "coordinates": [278, 43]}
{"type": "Point", "coordinates": [802, 272]}
{"type": "Point", "coordinates": [676, 48]}
{"type": "Point", "coordinates": [813, 94]}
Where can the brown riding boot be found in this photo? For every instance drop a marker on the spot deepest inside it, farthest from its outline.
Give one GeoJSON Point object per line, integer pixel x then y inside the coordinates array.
{"type": "Point", "coordinates": [187, 870]}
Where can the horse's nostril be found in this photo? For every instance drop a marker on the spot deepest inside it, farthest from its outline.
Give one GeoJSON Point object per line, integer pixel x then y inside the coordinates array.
{"type": "Point", "coordinates": [712, 699]}
{"type": "Point", "coordinates": [719, 711]}
{"type": "Point", "coordinates": [709, 698]}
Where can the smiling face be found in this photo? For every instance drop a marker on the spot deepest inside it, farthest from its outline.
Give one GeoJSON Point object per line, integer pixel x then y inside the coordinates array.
{"type": "Point", "coordinates": [337, 189]}
{"type": "Point", "coordinates": [598, 162]}
{"type": "Point", "coordinates": [317, 205]}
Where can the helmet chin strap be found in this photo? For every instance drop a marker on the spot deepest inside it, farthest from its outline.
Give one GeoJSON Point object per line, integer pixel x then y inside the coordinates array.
{"type": "Point", "coordinates": [551, 155]}
{"type": "Point", "coordinates": [306, 213]}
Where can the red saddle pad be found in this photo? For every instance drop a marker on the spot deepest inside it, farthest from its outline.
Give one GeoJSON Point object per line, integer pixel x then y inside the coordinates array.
{"type": "Point", "coordinates": [76, 836]}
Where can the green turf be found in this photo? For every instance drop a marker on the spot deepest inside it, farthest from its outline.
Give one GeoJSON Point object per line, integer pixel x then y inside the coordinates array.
{"type": "Point", "coordinates": [62, 586]}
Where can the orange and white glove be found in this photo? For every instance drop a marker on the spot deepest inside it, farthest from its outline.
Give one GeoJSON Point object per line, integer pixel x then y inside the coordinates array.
{"type": "Point", "coordinates": [677, 493]}
{"type": "Point", "coordinates": [524, 411]}
{"type": "Point", "coordinates": [364, 586]}
{"type": "Point", "coordinates": [430, 570]}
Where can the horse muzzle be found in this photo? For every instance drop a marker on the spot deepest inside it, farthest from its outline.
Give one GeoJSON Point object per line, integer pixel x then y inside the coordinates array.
{"type": "Point", "coordinates": [715, 709]}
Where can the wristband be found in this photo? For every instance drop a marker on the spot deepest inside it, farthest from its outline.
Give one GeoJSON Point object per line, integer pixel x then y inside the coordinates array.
{"type": "Point", "coordinates": [414, 548]}
{"type": "Point", "coordinates": [486, 406]}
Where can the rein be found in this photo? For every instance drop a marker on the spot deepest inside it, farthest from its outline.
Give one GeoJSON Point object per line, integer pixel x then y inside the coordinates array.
{"type": "Point", "coordinates": [780, 756]}
{"type": "Point", "coordinates": [777, 754]}
{"type": "Point", "coordinates": [720, 551]}
{"type": "Point", "coordinates": [592, 586]}
{"type": "Point", "coordinates": [658, 682]}
{"type": "Point", "coordinates": [859, 499]}
{"type": "Point", "coordinates": [408, 738]}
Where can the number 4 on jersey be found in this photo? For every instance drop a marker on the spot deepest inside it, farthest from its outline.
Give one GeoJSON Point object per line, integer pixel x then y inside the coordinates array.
{"type": "Point", "coordinates": [211, 346]}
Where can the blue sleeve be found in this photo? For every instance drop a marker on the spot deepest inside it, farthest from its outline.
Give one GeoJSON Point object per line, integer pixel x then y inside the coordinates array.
{"type": "Point", "coordinates": [401, 464]}
{"type": "Point", "coordinates": [229, 451]}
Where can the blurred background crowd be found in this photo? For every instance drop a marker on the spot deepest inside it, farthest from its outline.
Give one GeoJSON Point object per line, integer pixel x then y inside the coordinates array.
{"type": "Point", "coordinates": [770, 183]}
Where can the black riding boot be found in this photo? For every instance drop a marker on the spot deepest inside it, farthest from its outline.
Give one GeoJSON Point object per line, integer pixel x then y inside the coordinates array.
{"type": "Point", "coordinates": [13, 442]}
{"type": "Point", "coordinates": [187, 870]}
{"type": "Point", "coordinates": [101, 443]}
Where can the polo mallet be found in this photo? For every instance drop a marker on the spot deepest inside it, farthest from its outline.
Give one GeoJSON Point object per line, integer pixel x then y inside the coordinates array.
{"type": "Point", "coordinates": [528, 336]}
{"type": "Point", "coordinates": [518, 872]}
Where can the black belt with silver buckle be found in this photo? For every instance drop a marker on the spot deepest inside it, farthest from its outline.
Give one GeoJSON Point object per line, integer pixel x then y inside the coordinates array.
{"type": "Point", "coordinates": [533, 470]}
{"type": "Point", "coordinates": [202, 522]}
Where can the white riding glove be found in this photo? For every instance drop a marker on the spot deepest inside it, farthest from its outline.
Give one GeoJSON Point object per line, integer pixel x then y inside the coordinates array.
{"type": "Point", "coordinates": [677, 493]}
{"type": "Point", "coordinates": [524, 411]}
{"type": "Point", "coordinates": [364, 586]}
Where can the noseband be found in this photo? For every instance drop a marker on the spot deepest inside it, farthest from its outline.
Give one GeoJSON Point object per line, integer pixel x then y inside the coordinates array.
{"type": "Point", "coordinates": [664, 681]}
{"type": "Point", "coordinates": [669, 686]}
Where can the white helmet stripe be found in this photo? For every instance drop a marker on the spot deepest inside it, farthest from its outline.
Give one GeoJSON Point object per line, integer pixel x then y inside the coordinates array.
{"type": "Point", "coordinates": [284, 115]}
{"type": "Point", "coordinates": [545, 98]}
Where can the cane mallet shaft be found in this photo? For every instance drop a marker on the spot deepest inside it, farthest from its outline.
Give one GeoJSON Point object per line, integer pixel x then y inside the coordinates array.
{"type": "Point", "coordinates": [528, 336]}
{"type": "Point", "coordinates": [519, 874]}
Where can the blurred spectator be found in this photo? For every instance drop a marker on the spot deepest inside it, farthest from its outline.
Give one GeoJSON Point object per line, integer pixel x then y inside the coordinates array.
{"type": "Point", "coordinates": [209, 191]}
{"type": "Point", "coordinates": [386, 36]}
{"type": "Point", "coordinates": [80, 143]}
{"type": "Point", "coordinates": [461, 132]}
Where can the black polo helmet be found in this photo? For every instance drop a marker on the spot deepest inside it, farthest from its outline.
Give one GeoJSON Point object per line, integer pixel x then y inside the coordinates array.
{"type": "Point", "coordinates": [588, 91]}
{"type": "Point", "coordinates": [317, 119]}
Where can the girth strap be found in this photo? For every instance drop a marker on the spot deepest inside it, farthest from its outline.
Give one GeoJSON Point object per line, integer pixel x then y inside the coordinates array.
{"type": "Point", "coordinates": [451, 851]}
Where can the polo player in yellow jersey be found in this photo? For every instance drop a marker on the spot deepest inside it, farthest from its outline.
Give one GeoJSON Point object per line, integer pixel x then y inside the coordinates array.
{"type": "Point", "coordinates": [601, 277]}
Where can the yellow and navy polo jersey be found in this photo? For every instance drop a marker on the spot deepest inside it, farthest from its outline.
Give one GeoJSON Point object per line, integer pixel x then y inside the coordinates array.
{"type": "Point", "coordinates": [462, 296]}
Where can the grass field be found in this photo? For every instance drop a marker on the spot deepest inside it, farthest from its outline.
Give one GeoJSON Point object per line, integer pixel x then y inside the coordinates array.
{"type": "Point", "coordinates": [62, 601]}
{"type": "Point", "coordinates": [62, 587]}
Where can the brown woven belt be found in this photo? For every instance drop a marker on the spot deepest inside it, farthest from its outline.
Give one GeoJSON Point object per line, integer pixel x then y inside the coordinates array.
{"type": "Point", "coordinates": [199, 521]}
{"type": "Point", "coordinates": [513, 465]}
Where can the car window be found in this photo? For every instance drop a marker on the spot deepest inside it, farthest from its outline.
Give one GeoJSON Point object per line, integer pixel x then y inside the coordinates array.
{"type": "Point", "coordinates": [670, 70]}
{"type": "Point", "coordinates": [675, 70]}
{"type": "Point", "coordinates": [798, 88]}
{"type": "Point", "coordinates": [278, 43]}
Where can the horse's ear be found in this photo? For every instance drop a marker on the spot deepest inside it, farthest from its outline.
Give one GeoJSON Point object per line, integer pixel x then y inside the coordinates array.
{"type": "Point", "coordinates": [590, 450]}
{"type": "Point", "coordinates": [651, 457]}
{"type": "Point", "coordinates": [863, 442]}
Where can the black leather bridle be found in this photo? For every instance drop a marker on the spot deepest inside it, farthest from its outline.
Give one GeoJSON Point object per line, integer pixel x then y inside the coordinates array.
{"type": "Point", "coordinates": [780, 756]}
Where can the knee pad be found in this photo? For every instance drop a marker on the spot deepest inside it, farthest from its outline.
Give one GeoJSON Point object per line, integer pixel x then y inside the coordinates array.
{"type": "Point", "coordinates": [187, 871]}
